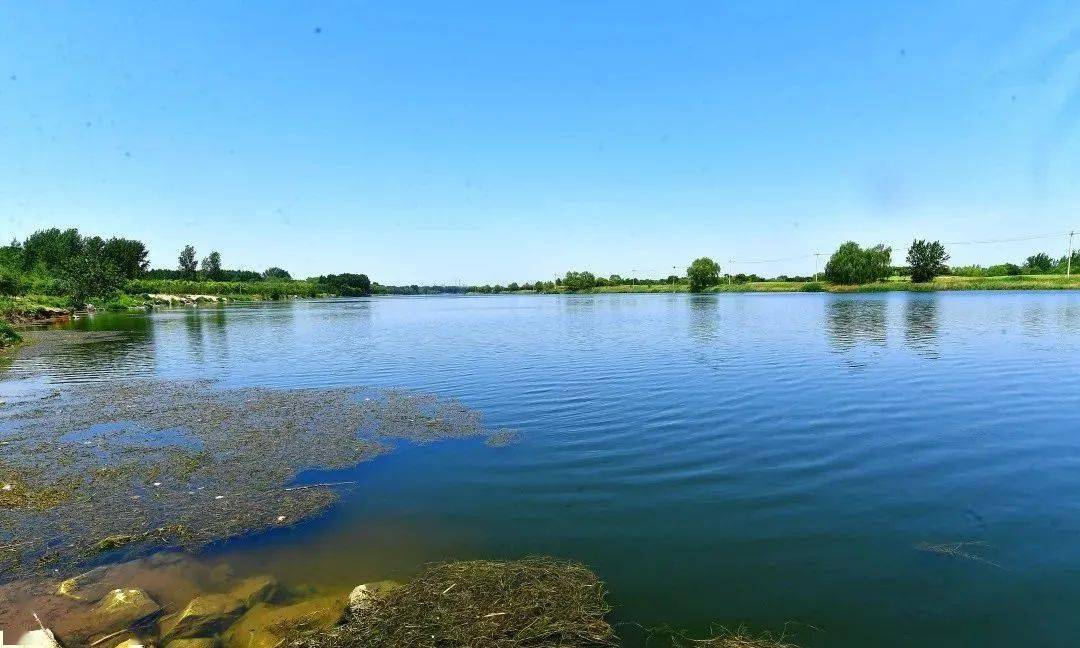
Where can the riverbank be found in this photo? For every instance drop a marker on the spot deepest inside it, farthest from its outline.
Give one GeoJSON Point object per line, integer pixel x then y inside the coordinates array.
{"type": "Point", "coordinates": [897, 284]}
{"type": "Point", "coordinates": [179, 601]}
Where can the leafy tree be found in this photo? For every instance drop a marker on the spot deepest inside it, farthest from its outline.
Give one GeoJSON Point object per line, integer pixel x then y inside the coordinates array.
{"type": "Point", "coordinates": [851, 264]}
{"type": "Point", "coordinates": [1063, 264]}
{"type": "Point", "coordinates": [11, 282]}
{"type": "Point", "coordinates": [575, 281]}
{"type": "Point", "coordinates": [1004, 269]}
{"type": "Point", "coordinates": [91, 274]}
{"type": "Point", "coordinates": [127, 255]}
{"type": "Point", "coordinates": [51, 249]}
{"type": "Point", "coordinates": [187, 263]}
{"type": "Point", "coordinates": [211, 266]}
{"type": "Point", "coordinates": [279, 274]}
{"type": "Point", "coordinates": [11, 255]}
{"type": "Point", "coordinates": [703, 272]}
{"type": "Point", "coordinates": [1040, 263]}
{"type": "Point", "coordinates": [351, 285]}
{"type": "Point", "coordinates": [927, 260]}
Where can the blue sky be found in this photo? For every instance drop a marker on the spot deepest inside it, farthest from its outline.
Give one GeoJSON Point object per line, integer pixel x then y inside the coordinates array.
{"type": "Point", "coordinates": [498, 141]}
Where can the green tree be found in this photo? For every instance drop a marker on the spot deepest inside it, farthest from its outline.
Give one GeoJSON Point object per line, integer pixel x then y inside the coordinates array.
{"type": "Point", "coordinates": [51, 249]}
{"type": "Point", "coordinates": [282, 274]}
{"type": "Point", "coordinates": [927, 260]}
{"type": "Point", "coordinates": [128, 255]}
{"type": "Point", "coordinates": [702, 273]}
{"type": "Point", "coordinates": [575, 281]}
{"type": "Point", "coordinates": [91, 274]}
{"type": "Point", "coordinates": [851, 264]}
{"type": "Point", "coordinates": [1004, 269]}
{"type": "Point", "coordinates": [347, 284]}
{"type": "Point", "coordinates": [211, 266]}
{"type": "Point", "coordinates": [1040, 263]}
{"type": "Point", "coordinates": [187, 263]}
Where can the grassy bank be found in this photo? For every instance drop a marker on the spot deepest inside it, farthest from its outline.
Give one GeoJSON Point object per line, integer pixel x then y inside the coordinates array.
{"type": "Point", "coordinates": [271, 289]}
{"type": "Point", "coordinates": [903, 284]}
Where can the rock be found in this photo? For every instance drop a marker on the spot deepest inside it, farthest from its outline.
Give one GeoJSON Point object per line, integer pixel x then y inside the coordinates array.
{"type": "Point", "coordinates": [201, 642]}
{"type": "Point", "coordinates": [204, 615]}
{"type": "Point", "coordinates": [210, 614]}
{"type": "Point", "coordinates": [118, 610]}
{"type": "Point", "coordinates": [89, 586]}
{"type": "Point", "coordinates": [362, 595]}
{"type": "Point", "coordinates": [257, 589]}
{"type": "Point", "coordinates": [265, 626]}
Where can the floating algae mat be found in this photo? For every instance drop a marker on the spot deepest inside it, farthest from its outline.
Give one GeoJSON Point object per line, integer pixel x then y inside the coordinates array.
{"type": "Point", "coordinates": [131, 465]}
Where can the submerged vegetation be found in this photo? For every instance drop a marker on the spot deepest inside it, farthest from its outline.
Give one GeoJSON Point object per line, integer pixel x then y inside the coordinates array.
{"type": "Point", "coordinates": [133, 464]}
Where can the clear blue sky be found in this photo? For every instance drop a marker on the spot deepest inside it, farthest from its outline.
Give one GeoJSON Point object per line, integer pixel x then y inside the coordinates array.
{"type": "Point", "coordinates": [498, 141]}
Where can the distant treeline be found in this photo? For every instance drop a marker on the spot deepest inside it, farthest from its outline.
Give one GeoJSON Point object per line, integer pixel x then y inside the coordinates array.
{"type": "Point", "coordinates": [65, 263]}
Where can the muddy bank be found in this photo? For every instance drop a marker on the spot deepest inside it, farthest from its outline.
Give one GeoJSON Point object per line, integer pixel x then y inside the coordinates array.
{"type": "Point", "coordinates": [101, 471]}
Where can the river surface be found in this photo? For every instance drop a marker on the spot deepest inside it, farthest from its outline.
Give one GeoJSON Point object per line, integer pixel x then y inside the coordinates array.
{"type": "Point", "coordinates": [739, 459]}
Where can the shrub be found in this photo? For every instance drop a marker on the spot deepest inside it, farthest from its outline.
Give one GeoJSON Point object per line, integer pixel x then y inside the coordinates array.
{"type": "Point", "coordinates": [8, 335]}
{"type": "Point", "coordinates": [1003, 270]}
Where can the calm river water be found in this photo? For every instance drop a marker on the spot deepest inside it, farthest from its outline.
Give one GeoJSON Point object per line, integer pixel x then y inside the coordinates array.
{"type": "Point", "coordinates": [755, 459]}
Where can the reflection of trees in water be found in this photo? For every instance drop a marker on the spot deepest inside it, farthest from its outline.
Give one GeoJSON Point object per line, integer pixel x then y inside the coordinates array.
{"type": "Point", "coordinates": [704, 318]}
{"type": "Point", "coordinates": [193, 326]}
{"type": "Point", "coordinates": [1033, 319]}
{"type": "Point", "coordinates": [1069, 316]}
{"type": "Point", "coordinates": [921, 322]}
{"type": "Point", "coordinates": [853, 321]}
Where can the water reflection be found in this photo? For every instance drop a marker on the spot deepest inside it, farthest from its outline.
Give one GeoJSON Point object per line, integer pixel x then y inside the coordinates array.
{"type": "Point", "coordinates": [851, 321]}
{"type": "Point", "coordinates": [105, 346]}
{"type": "Point", "coordinates": [921, 322]}
{"type": "Point", "coordinates": [704, 318]}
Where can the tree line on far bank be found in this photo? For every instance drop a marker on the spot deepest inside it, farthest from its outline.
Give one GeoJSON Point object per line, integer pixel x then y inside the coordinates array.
{"type": "Point", "coordinates": [850, 264]}
{"type": "Point", "coordinates": [66, 263]}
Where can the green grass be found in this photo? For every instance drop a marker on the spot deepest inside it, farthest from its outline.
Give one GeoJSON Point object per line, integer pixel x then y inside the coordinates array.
{"type": "Point", "coordinates": [8, 336]}
{"type": "Point", "coordinates": [14, 310]}
{"type": "Point", "coordinates": [902, 284]}
{"type": "Point", "coordinates": [231, 289]}
{"type": "Point", "coordinates": [641, 288]}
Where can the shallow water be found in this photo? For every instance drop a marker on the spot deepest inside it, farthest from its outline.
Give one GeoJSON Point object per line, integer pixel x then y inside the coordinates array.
{"type": "Point", "coordinates": [757, 459]}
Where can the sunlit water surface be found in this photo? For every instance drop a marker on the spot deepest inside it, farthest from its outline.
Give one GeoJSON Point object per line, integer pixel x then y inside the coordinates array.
{"type": "Point", "coordinates": [744, 459]}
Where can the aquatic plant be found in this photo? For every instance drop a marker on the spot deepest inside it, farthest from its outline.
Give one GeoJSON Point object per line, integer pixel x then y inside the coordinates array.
{"type": "Point", "coordinates": [968, 550]}
{"type": "Point", "coordinates": [129, 465]}
{"type": "Point", "coordinates": [538, 602]}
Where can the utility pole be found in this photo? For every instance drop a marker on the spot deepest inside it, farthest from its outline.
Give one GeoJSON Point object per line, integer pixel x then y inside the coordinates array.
{"type": "Point", "coordinates": [1068, 267]}
{"type": "Point", "coordinates": [817, 262]}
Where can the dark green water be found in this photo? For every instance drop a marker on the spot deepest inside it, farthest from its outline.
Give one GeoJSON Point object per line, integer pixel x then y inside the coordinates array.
{"type": "Point", "coordinates": [755, 459]}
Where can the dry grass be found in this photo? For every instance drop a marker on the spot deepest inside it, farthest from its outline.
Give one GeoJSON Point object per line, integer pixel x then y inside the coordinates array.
{"type": "Point", "coordinates": [721, 637]}
{"type": "Point", "coordinates": [536, 603]}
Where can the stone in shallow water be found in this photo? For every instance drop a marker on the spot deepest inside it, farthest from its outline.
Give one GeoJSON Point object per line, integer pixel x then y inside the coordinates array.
{"type": "Point", "coordinates": [211, 614]}
{"type": "Point", "coordinates": [265, 626]}
{"type": "Point", "coordinates": [118, 610]}
{"type": "Point", "coordinates": [361, 597]}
